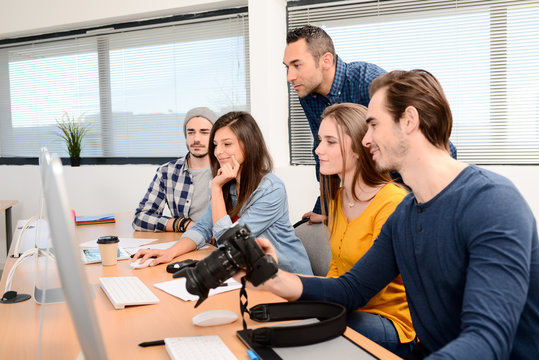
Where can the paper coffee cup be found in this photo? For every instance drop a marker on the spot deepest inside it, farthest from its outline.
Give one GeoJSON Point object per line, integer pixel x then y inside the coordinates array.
{"type": "Point", "coordinates": [108, 248]}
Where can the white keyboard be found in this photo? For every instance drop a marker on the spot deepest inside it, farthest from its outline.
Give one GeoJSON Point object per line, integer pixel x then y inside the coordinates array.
{"type": "Point", "coordinates": [198, 348]}
{"type": "Point", "coordinates": [127, 290]}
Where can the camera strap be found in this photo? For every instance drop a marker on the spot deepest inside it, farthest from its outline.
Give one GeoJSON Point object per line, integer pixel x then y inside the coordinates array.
{"type": "Point", "coordinates": [331, 316]}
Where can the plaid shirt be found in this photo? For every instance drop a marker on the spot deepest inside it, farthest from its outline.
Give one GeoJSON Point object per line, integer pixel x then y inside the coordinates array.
{"type": "Point", "coordinates": [171, 185]}
{"type": "Point", "coordinates": [350, 84]}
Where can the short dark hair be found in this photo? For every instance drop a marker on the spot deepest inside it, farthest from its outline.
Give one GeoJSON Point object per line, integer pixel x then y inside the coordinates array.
{"type": "Point", "coordinates": [420, 89]}
{"type": "Point", "coordinates": [257, 160]}
{"type": "Point", "coordinates": [318, 41]}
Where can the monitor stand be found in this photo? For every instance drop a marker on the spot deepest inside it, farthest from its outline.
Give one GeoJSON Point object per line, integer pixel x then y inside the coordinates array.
{"type": "Point", "coordinates": [48, 296]}
{"type": "Point", "coordinates": [52, 296]}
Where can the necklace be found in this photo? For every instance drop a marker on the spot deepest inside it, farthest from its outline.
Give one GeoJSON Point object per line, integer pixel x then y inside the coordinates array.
{"type": "Point", "coordinates": [352, 204]}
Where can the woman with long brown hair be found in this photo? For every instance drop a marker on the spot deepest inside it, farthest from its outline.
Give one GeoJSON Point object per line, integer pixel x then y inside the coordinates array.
{"type": "Point", "coordinates": [244, 190]}
{"type": "Point", "coordinates": [360, 199]}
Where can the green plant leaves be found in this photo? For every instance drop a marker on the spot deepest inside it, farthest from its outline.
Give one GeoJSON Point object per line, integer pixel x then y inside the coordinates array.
{"type": "Point", "coordinates": [72, 131]}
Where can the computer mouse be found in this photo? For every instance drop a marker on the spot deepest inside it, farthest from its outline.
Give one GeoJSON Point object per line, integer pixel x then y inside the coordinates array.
{"type": "Point", "coordinates": [214, 317]}
{"type": "Point", "coordinates": [139, 265]}
{"type": "Point", "coordinates": [172, 268]}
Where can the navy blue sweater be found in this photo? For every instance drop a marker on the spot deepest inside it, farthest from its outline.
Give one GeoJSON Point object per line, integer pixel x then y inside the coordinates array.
{"type": "Point", "coordinates": [469, 259]}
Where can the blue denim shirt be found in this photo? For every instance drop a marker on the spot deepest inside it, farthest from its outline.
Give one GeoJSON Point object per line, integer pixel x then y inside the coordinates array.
{"type": "Point", "coordinates": [266, 214]}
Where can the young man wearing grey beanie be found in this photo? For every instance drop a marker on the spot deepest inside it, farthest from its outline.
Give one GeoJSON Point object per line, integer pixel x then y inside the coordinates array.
{"type": "Point", "coordinates": [182, 184]}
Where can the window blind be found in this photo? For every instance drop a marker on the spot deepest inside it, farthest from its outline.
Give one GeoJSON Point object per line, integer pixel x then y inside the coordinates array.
{"type": "Point", "coordinates": [484, 53]}
{"type": "Point", "coordinates": [133, 86]}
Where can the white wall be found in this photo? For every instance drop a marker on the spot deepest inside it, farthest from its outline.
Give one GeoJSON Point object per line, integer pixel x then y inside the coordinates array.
{"type": "Point", "coordinates": [269, 92]}
{"type": "Point", "coordinates": [102, 189]}
{"type": "Point", "coordinates": [31, 17]}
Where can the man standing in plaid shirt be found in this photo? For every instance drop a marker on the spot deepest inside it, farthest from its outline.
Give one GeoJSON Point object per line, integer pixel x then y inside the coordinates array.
{"type": "Point", "coordinates": [321, 79]}
{"type": "Point", "coordinates": [182, 184]}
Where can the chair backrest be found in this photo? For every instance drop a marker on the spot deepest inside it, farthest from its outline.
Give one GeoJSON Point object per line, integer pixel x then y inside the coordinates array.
{"type": "Point", "coordinates": [316, 242]}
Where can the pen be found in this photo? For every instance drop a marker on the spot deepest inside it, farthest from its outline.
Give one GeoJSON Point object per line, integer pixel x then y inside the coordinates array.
{"type": "Point", "coordinates": [252, 355]}
{"type": "Point", "coordinates": [223, 284]}
{"type": "Point", "coordinates": [152, 343]}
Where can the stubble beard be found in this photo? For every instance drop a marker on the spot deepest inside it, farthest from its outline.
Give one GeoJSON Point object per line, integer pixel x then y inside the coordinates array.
{"type": "Point", "coordinates": [309, 87]}
{"type": "Point", "coordinates": [395, 154]}
{"type": "Point", "coordinates": [194, 154]}
{"type": "Point", "coordinates": [199, 156]}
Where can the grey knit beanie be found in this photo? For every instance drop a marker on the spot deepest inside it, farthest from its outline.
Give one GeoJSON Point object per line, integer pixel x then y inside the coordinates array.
{"type": "Point", "coordinates": [199, 111]}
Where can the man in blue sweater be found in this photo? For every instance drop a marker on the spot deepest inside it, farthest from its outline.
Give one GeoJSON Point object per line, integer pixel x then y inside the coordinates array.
{"type": "Point", "coordinates": [465, 240]}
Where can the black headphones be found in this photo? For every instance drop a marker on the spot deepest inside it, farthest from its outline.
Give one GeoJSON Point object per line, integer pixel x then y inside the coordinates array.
{"type": "Point", "coordinates": [332, 323]}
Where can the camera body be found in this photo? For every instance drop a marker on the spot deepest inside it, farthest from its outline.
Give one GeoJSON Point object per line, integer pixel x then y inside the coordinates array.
{"type": "Point", "coordinates": [237, 249]}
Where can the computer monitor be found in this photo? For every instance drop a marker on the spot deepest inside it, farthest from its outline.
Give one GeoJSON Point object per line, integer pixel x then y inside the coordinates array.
{"type": "Point", "coordinates": [46, 290]}
{"type": "Point", "coordinates": [34, 233]}
{"type": "Point", "coordinates": [72, 274]}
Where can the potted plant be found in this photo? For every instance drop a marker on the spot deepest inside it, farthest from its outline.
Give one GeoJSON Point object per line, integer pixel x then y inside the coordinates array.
{"type": "Point", "coordinates": [72, 131]}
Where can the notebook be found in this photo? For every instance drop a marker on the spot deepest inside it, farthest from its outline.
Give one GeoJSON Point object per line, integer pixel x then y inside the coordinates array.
{"type": "Point", "coordinates": [95, 220]}
{"type": "Point", "coordinates": [340, 347]}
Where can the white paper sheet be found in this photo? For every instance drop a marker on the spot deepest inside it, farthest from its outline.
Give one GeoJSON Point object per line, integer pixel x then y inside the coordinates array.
{"type": "Point", "coordinates": [177, 288]}
{"type": "Point", "coordinates": [124, 242]}
{"type": "Point", "coordinates": [159, 246]}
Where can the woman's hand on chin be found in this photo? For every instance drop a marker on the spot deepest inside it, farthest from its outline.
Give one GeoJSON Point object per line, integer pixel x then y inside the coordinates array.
{"type": "Point", "coordinates": [227, 172]}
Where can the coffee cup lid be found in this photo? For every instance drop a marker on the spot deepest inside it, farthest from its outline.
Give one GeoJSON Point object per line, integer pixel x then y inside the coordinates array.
{"type": "Point", "coordinates": [108, 239]}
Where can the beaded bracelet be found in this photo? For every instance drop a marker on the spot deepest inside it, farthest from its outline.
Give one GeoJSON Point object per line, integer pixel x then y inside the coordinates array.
{"type": "Point", "coordinates": [176, 224]}
{"type": "Point", "coordinates": [181, 227]}
{"type": "Point", "coordinates": [187, 223]}
{"type": "Point", "coordinates": [183, 224]}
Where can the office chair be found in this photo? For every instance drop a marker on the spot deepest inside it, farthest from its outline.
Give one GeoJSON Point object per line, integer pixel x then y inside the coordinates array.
{"type": "Point", "coordinates": [315, 239]}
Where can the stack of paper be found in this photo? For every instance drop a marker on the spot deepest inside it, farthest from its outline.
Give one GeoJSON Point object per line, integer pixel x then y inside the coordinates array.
{"type": "Point", "coordinates": [94, 220]}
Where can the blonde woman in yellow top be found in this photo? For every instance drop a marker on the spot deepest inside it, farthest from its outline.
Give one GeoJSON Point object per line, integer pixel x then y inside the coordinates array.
{"type": "Point", "coordinates": [359, 202]}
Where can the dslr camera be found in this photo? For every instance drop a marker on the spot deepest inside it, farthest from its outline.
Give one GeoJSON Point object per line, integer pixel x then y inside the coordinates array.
{"type": "Point", "coordinates": [236, 249]}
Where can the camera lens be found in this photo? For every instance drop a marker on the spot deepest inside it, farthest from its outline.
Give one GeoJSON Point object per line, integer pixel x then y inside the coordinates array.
{"type": "Point", "coordinates": [237, 249]}
{"type": "Point", "coordinates": [212, 271]}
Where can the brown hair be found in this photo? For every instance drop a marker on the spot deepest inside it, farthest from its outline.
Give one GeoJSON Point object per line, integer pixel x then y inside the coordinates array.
{"type": "Point", "coordinates": [420, 89]}
{"type": "Point", "coordinates": [318, 41]}
{"type": "Point", "coordinates": [350, 119]}
{"type": "Point", "coordinates": [257, 161]}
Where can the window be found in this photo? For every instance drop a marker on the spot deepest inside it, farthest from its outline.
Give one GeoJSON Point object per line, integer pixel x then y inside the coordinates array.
{"type": "Point", "coordinates": [484, 53]}
{"type": "Point", "coordinates": [133, 86]}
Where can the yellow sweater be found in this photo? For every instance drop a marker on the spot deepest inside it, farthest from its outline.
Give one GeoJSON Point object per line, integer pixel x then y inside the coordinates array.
{"type": "Point", "coordinates": [350, 241]}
